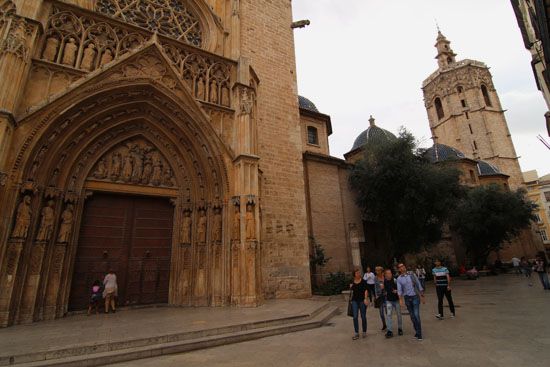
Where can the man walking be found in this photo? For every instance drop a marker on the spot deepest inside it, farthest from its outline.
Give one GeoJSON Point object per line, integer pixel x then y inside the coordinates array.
{"type": "Point", "coordinates": [410, 293]}
{"type": "Point", "coordinates": [392, 304]}
{"type": "Point", "coordinates": [442, 281]}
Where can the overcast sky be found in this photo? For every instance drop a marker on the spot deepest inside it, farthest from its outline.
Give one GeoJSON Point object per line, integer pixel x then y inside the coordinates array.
{"type": "Point", "coordinates": [362, 57]}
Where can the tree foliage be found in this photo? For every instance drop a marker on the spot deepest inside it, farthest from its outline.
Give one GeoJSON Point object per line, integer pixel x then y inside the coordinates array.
{"type": "Point", "coordinates": [408, 197]}
{"type": "Point", "coordinates": [488, 216]}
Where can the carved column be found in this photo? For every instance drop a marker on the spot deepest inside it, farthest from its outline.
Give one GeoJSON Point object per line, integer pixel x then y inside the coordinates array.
{"type": "Point", "coordinates": [201, 258]}
{"type": "Point", "coordinates": [217, 255]}
{"type": "Point", "coordinates": [236, 255]}
{"type": "Point", "coordinates": [64, 235]}
{"type": "Point", "coordinates": [32, 281]}
{"type": "Point", "coordinates": [19, 233]}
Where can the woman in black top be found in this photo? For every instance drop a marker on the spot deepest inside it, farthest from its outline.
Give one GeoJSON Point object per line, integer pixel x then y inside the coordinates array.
{"type": "Point", "coordinates": [359, 302]}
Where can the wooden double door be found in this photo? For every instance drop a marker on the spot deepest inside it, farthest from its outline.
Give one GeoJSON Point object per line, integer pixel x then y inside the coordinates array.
{"type": "Point", "coordinates": [131, 235]}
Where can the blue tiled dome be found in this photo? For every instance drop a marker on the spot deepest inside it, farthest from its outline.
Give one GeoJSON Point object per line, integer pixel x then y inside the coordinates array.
{"type": "Point", "coordinates": [442, 152]}
{"type": "Point", "coordinates": [487, 169]}
{"type": "Point", "coordinates": [306, 104]}
{"type": "Point", "coordinates": [373, 134]}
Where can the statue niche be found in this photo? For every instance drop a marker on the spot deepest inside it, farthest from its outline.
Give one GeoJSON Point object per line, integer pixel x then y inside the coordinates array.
{"type": "Point", "coordinates": [135, 161]}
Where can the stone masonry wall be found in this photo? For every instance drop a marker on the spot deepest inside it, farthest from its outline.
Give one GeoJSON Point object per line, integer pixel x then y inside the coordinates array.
{"type": "Point", "coordinates": [268, 42]}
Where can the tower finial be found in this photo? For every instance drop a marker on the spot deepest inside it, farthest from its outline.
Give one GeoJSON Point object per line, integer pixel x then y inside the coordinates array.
{"type": "Point", "coordinates": [445, 54]}
{"type": "Point", "coordinates": [371, 121]}
{"type": "Point", "coordinates": [437, 26]}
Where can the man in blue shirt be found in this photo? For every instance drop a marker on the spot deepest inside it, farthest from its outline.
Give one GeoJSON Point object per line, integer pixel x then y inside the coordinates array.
{"type": "Point", "coordinates": [410, 293]}
{"type": "Point", "coordinates": [442, 281]}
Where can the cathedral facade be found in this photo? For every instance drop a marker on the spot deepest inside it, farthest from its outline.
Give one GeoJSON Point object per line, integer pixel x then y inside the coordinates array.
{"type": "Point", "coordinates": [159, 139]}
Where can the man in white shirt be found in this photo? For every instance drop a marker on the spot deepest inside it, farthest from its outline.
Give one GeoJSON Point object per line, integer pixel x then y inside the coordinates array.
{"type": "Point", "coordinates": [515, 263]}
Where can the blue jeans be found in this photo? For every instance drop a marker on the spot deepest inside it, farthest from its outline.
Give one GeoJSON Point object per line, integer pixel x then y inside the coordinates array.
{"type": "Point", "coordinates": [544, 280]}
{"type": "Point", "coordinates": [413, 306]}
{"type": "Point", "coordinates": [357, 306]}
{"type": "Point", "coordinates": [390, 306]}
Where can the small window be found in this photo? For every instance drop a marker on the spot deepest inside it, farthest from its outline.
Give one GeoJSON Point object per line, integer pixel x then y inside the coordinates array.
{"type": "Point", "coordinates": [543, 235]}
{"type": "Point", "coordinates": [449, 60]}
{"type": "Point", "coordinates": [459, 89]}
{"type": "Point", "coordinates": [463, 102]}
{"type": "Point", "coordinates": [471, 130]}
{"type": "Point", "coordinates": [486, 97]}
{"type": "Point", "coordinates": [475, 145]}
{"type": "Point", "coordinates": [547, 196]}
{"type": "Point", "coordinates": [439, 108]}
{"type": "Point", "coordinates": [312, 136]}
{"type": "Point", "coordinates": [537, 218]}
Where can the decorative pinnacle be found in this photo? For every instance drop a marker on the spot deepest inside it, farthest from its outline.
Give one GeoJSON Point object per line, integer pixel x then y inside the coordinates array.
{"type": "Point", "coordinates": [371, 121]}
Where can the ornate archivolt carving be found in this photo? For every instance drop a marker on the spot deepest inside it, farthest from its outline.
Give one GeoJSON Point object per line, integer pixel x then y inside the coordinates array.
{"type": "Point", "coordinates": [134, 161]}
{"type": "Point", "coordinates": [171, 18]}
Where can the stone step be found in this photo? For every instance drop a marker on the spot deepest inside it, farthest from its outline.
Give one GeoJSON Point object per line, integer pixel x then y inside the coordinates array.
{"type": "Point", "coordinates": [323, 315]}
{"type": "Point", "coordinates": [83, 349]}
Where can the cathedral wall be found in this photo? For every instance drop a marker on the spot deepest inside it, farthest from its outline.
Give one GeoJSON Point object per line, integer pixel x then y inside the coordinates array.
{"type": "Point", "coordinates": [267, 42]}
{"type": "Point", "coordinates": [327, 214]}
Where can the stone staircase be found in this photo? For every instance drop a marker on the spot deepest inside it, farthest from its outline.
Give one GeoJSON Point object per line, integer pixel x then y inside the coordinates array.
{"type": "Point", "coordinates": [98, 354]}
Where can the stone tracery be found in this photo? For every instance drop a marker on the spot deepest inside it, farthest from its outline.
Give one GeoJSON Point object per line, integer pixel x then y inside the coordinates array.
{"type": "Point", "coordinates": [171, 18]}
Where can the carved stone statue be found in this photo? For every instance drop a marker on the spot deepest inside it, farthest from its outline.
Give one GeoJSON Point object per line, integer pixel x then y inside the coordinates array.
{"type": "Point", "coordinates": [45, 230]}
{"type": "Point", "coordinates": [138, 164]}
{"type": "Point", "coordinates": [115, 166]}
{"type": "Point", "coordinates": [214, 92]}
{"type": "Point", "coordinates": [101, 170]}
{"type": "Point", "coordinates": [217, 224]}
{"type": "Point", "coordinates": [200, 89]}
{"type": "Point", "coordinates": [89, 57]}
{"type": "Point", "coordinates": [202, 226]}
{"type": "Point", "coordinates": [50, 51]}
{"type": "Point", "coordinates": [186, 228]}
{"type": "Point", "coordinates": [107, 57]}
{"type": "Point", "coordinates": [127, 167]}
{"type": "Point", "coordinates": [66, 225]}
{"type": "Point", "coordinates": [236, 230]}
{"type": "Point", "coordinates": [147, 171]}
{"type": "Point", "coordinates": [250, 225]}
{"type": "Point", "coordinates": [22, 218]}
{"type": "Point", "coordinates": [156, 177]}
{"type": "Point", "coordinates": [69, 54]}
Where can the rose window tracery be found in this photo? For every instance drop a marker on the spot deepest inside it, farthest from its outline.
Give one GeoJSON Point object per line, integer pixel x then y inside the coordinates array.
{"type": "Point", "coordinates": [167, 17]}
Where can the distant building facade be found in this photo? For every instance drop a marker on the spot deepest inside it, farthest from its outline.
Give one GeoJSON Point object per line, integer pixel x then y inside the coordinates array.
{"type": "Point", "coordinates": [538, 190]}
{"type": "Point", "coordinates": [533, 19]}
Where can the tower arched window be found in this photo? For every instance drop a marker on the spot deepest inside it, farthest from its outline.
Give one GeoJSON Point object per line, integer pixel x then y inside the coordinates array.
{"type": "Point", "coordinates": [439, 108]}
{"type": "Point", "coordinates": [312, 135]}
{"type": "Point", "coordinates": [486, 97]}
{"type": "Point", "coordinates": [459, 89]}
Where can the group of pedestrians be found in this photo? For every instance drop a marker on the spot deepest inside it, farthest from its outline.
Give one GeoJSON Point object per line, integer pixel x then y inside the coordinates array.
{"type": "Point", "coordinates": [390, 295]}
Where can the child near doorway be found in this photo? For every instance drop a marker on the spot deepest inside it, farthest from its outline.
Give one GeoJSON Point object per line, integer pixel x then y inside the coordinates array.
{"type": "Point", "coordinates": [95, 297]}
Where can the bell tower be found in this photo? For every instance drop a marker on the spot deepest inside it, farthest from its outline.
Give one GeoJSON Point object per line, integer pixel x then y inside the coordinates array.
{"type": "Point", "coordinates": [465, 112]}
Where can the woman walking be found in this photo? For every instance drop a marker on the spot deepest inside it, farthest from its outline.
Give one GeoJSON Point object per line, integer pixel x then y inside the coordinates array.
{"type": "Point", "coordinates": [110, 291]}
{"type": "Point", "coordinates": [359, 302]}
{"type": "Point", "coordinates": [380, 295]}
